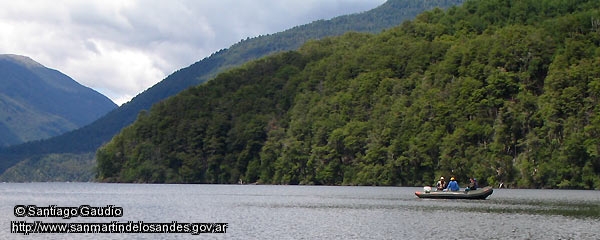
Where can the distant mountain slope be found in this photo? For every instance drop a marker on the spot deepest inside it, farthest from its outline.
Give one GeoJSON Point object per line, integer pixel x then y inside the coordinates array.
{"type": "Point", "coordinates": [37, 102]}
{"type": "Point", "coordinates": [90, 137]}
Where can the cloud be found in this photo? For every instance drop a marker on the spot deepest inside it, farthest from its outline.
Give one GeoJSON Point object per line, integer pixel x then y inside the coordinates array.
{"type": "Point", "coordinates": [121, 48]}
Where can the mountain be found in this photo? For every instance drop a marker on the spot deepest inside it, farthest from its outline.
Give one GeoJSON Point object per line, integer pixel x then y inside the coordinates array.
{"type": "Point", "coordinates": [38, 102]}
{"type": "Point", "coordinates": [90, 137]}
{"type": "Point", "coordinates": [506, 91]}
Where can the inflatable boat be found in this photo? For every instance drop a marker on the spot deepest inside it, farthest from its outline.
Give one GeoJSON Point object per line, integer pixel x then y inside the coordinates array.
{"type": "Point", "coordinates": [481, 193]}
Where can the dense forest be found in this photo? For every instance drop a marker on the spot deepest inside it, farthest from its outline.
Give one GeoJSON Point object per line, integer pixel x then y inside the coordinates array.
{"type": "Point", "coordinates": [501, 90]}
{"type": "Point", "coordinates": [76, 145]}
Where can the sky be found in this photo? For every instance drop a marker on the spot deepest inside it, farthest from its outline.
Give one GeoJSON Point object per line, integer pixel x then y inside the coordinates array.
{"type": "Point", "coordinates": [122, 47]}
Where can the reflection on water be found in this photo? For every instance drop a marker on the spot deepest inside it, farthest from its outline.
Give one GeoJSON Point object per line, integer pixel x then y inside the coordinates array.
{"type": "Point", "coordinates": [316, 212]}
{"type": "Point", "coordinates": [561, 208]}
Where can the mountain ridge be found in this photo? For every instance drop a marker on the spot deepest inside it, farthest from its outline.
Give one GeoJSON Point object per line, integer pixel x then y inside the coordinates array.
{"type": "Point", "coordinates": [39, 102]}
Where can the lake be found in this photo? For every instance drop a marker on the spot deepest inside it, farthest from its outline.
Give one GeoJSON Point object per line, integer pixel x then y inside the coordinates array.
{"type": "Point", "coordinates": [308, 212]}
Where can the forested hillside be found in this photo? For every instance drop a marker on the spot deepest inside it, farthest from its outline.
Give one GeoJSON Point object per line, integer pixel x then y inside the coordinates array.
{"type": "Point", "coordinates": [86, 140]}
{"type": "Point", "coordinates": [501, 90]}
{"type": "Point", "coordinates": [506, 91]}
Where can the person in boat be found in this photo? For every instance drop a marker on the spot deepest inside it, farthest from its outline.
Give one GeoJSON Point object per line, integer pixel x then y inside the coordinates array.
{"type": "Point", "coordinates": [472, 185]}
{"type": "Point", "coordinates": [441, 184]}
{"type": "Point", "coordinates": [452, 185]}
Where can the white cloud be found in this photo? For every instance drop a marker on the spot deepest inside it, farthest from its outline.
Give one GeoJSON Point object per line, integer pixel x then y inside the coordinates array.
{"type": "Point", "coordinates": [116, 70]}
{"type": "Point", "coordinates": [121, 48]}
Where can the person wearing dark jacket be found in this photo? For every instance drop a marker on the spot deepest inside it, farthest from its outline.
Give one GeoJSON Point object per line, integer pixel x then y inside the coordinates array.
{"type": "Point", "coordinates": [472, 184]}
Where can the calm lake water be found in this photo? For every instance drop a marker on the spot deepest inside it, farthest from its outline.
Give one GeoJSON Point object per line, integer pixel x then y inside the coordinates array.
{"type": "Point", "coordinates": [313, 212]}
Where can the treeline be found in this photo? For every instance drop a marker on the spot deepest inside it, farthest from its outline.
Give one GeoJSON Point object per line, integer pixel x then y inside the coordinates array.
{"type": "Point", "coordinates": [66, 167]}
{"type": "Point", "coordinates": [388, 15]}
{"type": "Point", "coordinates": [501, 90]}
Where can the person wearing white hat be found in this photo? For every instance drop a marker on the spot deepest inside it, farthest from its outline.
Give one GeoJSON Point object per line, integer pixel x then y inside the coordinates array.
{"type": "Point", "coordinates": [441, 184]}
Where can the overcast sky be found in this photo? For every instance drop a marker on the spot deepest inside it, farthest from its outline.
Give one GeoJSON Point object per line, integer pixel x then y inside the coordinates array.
{"type": "Point", "coordinates": [122, 47]}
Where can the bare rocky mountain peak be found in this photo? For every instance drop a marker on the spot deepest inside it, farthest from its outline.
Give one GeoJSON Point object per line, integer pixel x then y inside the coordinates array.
{"type": "Point", "coordinates": [23, 60]}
